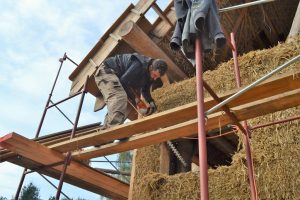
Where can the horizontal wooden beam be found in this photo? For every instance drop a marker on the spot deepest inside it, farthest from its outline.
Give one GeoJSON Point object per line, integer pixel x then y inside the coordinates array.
{"type": "Point", "coordinates": [170, 117]}
{"type": "Point", "coordinates": [92, 136]}
{"type": "Point", "coordinates": [188, 128]}
{"type": "Point", "coordinates": [111, 186]}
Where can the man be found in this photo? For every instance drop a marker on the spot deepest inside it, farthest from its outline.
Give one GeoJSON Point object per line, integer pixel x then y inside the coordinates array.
{"type": "Point", "coordinates": [122, 78]}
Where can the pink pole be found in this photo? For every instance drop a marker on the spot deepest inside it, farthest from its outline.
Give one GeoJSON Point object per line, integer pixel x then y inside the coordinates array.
{"type": "Point", "coordinates": [246, 137]}
{"type": "Point", "coordinates": [201, 124]}
{"type": "Point", "coordinates": [275, 122]}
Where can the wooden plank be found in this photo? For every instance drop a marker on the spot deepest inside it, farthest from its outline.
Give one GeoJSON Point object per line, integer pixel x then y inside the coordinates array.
{"type": "Point", "coordinates": [295, 29]}
{"type": "Point", "coordinates": [164, 159]}
{"type": "Point", "coordinates": [133, 175]}
{"type": "Point", "coordinates": [272, 87]}
{"type": "Point", "coordinates": [144, 5]}
{"type": "Point", "coordinates": [29, 164]}
{"type": "Point", "coordinates": [112, 187]}
{"type": "Point", "coordinates": [161, 14]}
{"type": "Point", "coordinates": [188, 128]}
{"type": "Point", "coordinates": [161, 27]}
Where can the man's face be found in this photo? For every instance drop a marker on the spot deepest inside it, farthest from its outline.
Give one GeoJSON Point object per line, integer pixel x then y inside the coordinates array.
{"type": "Point", "coordinates": [154, 74]}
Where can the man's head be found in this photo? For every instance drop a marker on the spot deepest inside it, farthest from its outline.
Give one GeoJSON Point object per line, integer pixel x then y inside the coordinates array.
{"type": "Point", "coordinates": [158, 68]}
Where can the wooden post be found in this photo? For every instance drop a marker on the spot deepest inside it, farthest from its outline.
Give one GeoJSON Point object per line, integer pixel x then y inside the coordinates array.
{"type": "Point", "coordinates": [132, 178]}
{"type": "Point", "coordinates": [164, 159]}
{"type": "Point", "coordinates": [142, 43]}
{"type": "Point", "coordinates": [295, 29]}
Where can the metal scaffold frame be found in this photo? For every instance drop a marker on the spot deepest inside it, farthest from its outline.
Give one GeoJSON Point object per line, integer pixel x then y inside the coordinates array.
{"type": "Point", "coordinates": [222, 105]}
{"type": "Point", "coordinates": [68, 156]}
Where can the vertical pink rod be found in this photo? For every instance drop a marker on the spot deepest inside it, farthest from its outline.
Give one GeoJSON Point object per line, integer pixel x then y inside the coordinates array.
{"type": "Point", "coordinates": [201, 123]}
{"type": "Point", "coordinates": [246, 137]}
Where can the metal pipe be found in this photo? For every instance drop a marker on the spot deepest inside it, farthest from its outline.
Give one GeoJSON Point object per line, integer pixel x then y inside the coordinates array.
{"type": "Point", "coordinates": [224, 108]}
{"type": "Point", "coordinates": [53, 185]}
{"type": "Point", "coordinates": [50, 95]}
{"type": "Point", "coordinates": [281, 67]}
{"type": "Point", "coordinates": [244, 5]}
{"type": "Point", "coordinates": [63, 113]}
{"type": "Point", "coordinates": [72, 61]}
{"type": "Point", "coordinates": [109, 161]}
{"type": "Point", "coordinates": [62, 175]}
{"type": "Point", "coordinates": [61, 60]}
{"type": "Point", "coordinates": [111, 171]}
{"type": "Point", "coordinates": [20, 184]}
{"type": "Point", "coordinates": [114, 167]}
{"type": "Point", "coordinates": [274, 123]}
{"type": "Point", "coordinates": [201, 123]}
{"type": "Point", "coordinates": [44, 167]}
{"type": "Point", "coordinates": [69, 155]}
{"type": "Point", "coordinates": [63, 100]}
{"type": "Point", "coordinates": [247, 133]}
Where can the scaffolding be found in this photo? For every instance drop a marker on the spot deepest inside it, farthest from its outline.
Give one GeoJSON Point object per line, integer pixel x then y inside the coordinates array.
{"type": "Point", "coordinates": [61, 155]}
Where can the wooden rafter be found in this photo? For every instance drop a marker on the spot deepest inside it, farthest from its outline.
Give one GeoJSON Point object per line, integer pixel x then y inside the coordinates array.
{"type": "Point", "coordinates": [161, 14]}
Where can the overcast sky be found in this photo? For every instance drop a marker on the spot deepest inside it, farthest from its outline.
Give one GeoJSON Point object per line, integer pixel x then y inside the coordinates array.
{"type": "Point", "coordinates": [34, 34]}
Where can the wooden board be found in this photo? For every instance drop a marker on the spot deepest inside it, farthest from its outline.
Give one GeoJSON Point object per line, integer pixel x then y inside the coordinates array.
{"type": "Point", "coordinates": [188, 128]}
{"type": "Point", "coordinates": [111, 187]}
{"type": "Point", "coordinates": [167, 118]}
{"type": "Point", "coordinates": [271, 87]}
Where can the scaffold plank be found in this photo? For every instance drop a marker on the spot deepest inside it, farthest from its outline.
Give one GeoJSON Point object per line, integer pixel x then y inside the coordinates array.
{"type": "Point", "coordinates": [188, 128]}
{"type": "Point", "coordinates": [111, 187]}
{"type": "Point", "coordinates": [186, 112]}
{"type": "Point", "coordinates": [278, 85]}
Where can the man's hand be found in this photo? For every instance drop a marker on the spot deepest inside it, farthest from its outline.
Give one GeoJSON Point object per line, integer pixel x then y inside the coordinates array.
{"type": "Point", "coordinates": [152, 108]}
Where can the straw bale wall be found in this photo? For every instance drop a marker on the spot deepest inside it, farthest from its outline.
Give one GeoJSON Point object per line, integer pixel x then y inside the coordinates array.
{"type": "Point", "coordinates": [276, 149]}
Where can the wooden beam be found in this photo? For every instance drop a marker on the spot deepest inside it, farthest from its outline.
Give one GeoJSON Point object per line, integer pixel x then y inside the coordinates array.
{"type": "Point", "coordinates": [133, 35]}
{"type": "Point", "coordinates": [188, 128]}
{"type": "Point", "coordinates": [111, 187]}
{"type": "Point", "coordinates": [295, 29]}
{"type": "Point", "coordinates": [186, 112]}
{"type": "Point", "coordinates": [161, 14]}
{"type": "Point", "coordinates": [164, 159]}
{"type": "Point", "coordinates": [133, 175]}
{"type": "Point", "coordinates": [239, 20]}
{"type": "Point", "coordinates": [161, 27]}
{"type": "Point", "coordinates": [274, 86]}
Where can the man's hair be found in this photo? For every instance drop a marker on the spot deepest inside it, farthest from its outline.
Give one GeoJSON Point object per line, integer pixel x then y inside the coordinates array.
{"type": "Point", "coordinates": [160, 65]}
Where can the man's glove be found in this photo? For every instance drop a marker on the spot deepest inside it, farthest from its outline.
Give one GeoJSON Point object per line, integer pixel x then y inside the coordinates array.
{"type": "Point", "coordinates": [152, 108]}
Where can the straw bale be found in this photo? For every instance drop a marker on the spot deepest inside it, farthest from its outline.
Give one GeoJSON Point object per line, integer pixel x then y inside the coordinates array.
{"type": "Point", "coordinates": [275, 149]}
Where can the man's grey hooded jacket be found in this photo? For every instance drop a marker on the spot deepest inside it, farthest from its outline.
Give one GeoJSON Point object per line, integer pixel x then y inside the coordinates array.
{"type": "Point", "coordinates": [196, 18]}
